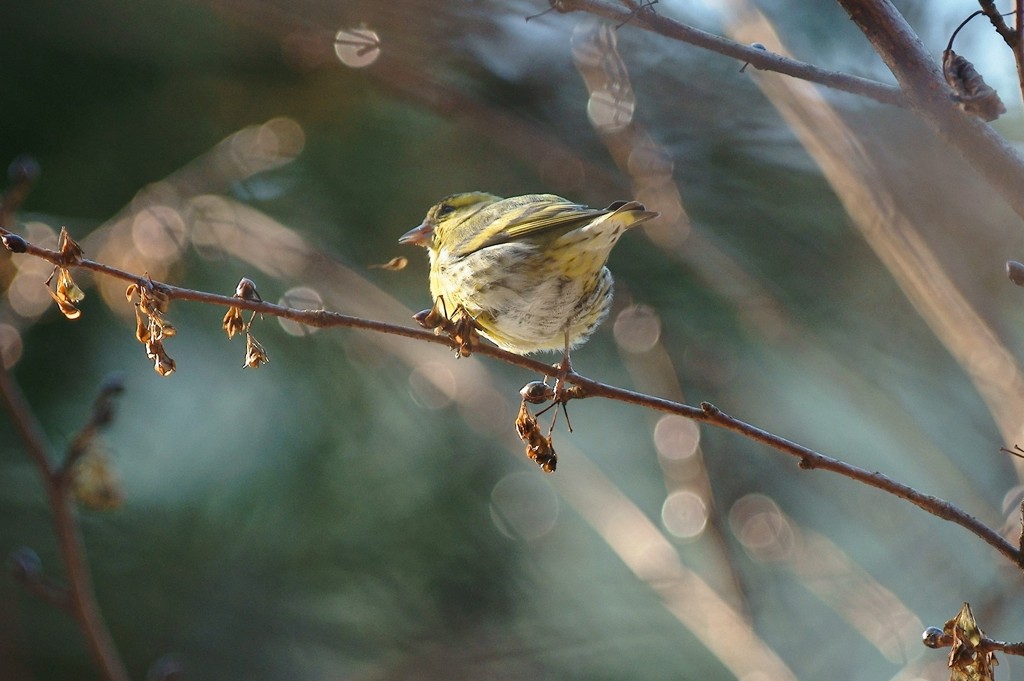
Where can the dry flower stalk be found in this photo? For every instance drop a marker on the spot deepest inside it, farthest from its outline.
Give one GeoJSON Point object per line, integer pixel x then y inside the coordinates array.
{"type": "Point", "coordinates": [66, 293]}
{"type": "Point", "coordinates": [150, 326]}
{"type": "Point", "coordinates": [538, 446]}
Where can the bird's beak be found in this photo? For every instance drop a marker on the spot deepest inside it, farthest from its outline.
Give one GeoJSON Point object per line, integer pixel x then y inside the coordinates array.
{"type": "Point", "coordinates": [419, 235]}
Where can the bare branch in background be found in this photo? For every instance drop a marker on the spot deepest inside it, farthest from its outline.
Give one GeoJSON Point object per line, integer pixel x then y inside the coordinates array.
{"type": "Point", "coordinates": [78, 597]}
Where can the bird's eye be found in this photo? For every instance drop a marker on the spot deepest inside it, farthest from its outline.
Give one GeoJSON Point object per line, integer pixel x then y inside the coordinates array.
{"type": "Point", "coordinates": [444, 209]}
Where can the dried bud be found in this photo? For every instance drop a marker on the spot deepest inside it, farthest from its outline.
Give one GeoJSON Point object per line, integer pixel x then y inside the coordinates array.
{"type": "Point", "coordinates": [233, 322]}
{"type": "Point", "coordinates": [538, 447]}
{"type": "Point", "coordinates": [970, 90]}
{"type": "Point", "coordinates": [142, 332]}
{"type": "Point", "coordinates": [429, 319]}
{"type": "Point", "coordinates": [526, 423]}
{"type": "Point", "coordinates": [162, 362]}
{"type": "Point", "coordinates": [932, 637]}
{"type": "Point", "coordinates": [537, 392]}
{"type": "Point", "coordinates": [154, 301]}
{"type": "Point", "coordinates": [1015, 271]}
{"type": "Point", "coordinates": [67, 288]}
{"type": "Point", "coordinates": [66, 294]}
{"type": "Point", "coordinates": [246, 290]}
{"type": "Point", "coordinates": [255, 355]}
{"type": "Point", "coordinates": [14, 243]}
{"type": "Point", "coordinates": [968, 657]}
{"type": "Point", "coordinates": [464, 334]}
{"type": "Point", "coordinates": [547, 459]}
{"type": "Point", "coordinates": [460, 327]}
{"type": "Point", "coordinates": [68, 247]}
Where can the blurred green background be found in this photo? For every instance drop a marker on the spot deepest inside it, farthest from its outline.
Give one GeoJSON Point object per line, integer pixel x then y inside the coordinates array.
{"type": "Point", "coordinates": [360, 507]}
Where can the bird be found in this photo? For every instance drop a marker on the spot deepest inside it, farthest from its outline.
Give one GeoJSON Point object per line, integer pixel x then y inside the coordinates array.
{"type": "Point", "coordinates": [528, 272]}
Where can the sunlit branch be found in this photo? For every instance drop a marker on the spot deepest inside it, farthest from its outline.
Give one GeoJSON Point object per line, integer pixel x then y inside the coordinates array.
{"type": "Point", "coordinates": [584, 387]}
{"type": "Point", "coordinates": [989, 9]}
{"type": "Point", "coordinates": [924, 86]}
{"type": "Point", "coordinates": [644, 16]}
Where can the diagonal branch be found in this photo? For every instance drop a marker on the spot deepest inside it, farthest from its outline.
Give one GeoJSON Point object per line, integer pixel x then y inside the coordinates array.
{"type": "Point", "coordinates": [644, 16]}
{"type": "Point", "coordinates": [989, 9]}
{"type": "Point", "coordinates": [925, 88]}
{"type": "Point", "coordinates": [584, 387]}
{"type": "Point", "coordinates": [922, 87]}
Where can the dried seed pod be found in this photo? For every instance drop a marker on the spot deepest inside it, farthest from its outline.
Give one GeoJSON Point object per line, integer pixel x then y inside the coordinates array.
{"type": "Point", "coordinates": [538, 446]}
{"type": "Point", "coordinates": [460, 327]}
{"type": "Point", "coordinates": [233, 322]}
{"type": "Point", "coordinates": [68, 247]}
{"type": "Point", "coordinates": [970, 90]}
{"type": "Point", "coordinates": [67, 293]}
{"type": "Point", "coordinates": [967, 658]}
{"type": "Point", "coordinates": [255, 355]}
{"type": "Point", "coordinates": [162, 362]}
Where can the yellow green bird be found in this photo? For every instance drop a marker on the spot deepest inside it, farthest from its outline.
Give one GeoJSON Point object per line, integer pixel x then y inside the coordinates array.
{"type": "Point", "coordinates": [528, 270]}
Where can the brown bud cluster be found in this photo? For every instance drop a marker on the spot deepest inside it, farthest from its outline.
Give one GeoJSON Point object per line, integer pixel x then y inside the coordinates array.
{"type": "Point", "coordinates": [151, 329]}
{"type": "Point", "coordinates": [66, 293]}
{"type": "Point", "coordinates": [538, 446]}
{"type": "Point", "coordinates": [970, 90]}
{"type": "Point", "coordinates": [460, 327]}
{"type": "Point", "coordinates": [234, 322]}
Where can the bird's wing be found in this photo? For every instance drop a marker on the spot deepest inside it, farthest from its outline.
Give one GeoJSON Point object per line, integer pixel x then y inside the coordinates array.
{"type": "Point", "coordinates": [537, 215]}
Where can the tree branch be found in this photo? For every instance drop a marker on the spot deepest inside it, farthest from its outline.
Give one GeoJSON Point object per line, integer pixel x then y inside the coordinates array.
{"type": "Point", "coordinates": [645, 17]}
{"type": "Point", "coordinates": [80, 596]}
{"type": "Point", "coordinates": [584, 387]}
{"type": "Point", "coordinates": [921, 84]}
{"type": "Point", "coordinates": [989, 9]}
{"type": "Point", "coordinates": [929, 96]}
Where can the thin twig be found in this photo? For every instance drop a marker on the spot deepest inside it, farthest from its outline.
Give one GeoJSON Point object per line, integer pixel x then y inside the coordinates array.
{"type": "Point", "coordinates": [647, 18]}
{"type": "Point", "coordinates": [81, 598]}
{"type": "Point", "coordinates": [989, 9]}
{"type": "Point", "coordinates": [585, 387]}
{"type": "Point", "coordinates": [1011, 36]}
{"type": "Point", "coordinates": [921, 84]}
{"type": "Point", "coordinates": [925, 87]}
{"type": "Point", "coordinates": [809, 459]}
{"type": "Point", "coordinates": [983, 645]}
{"type": "Point", "coordinates": [1020, 538]}
{"type": "Point", "coordinates": [102, 413]}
